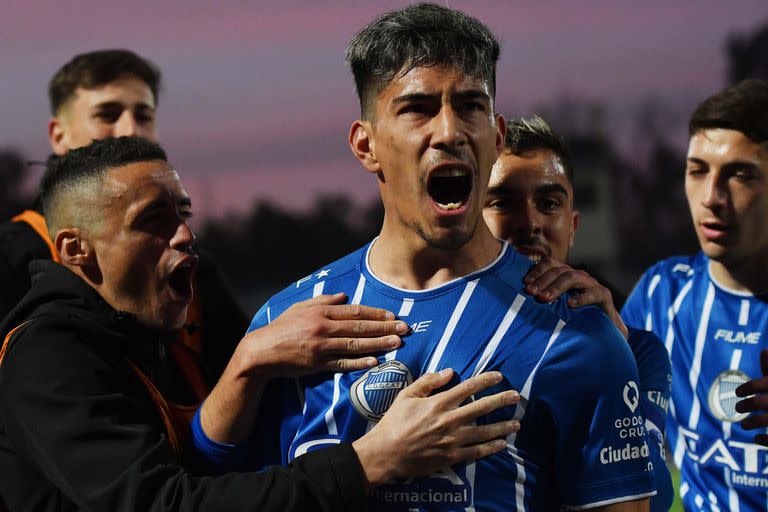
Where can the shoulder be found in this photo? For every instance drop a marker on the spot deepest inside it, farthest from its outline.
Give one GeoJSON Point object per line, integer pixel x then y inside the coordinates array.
{"type": "Point", "coordinates": [347, 267]}
{"type": "Point", "coordinates": [588, 339]}
{"type": "Point", "coordinates": [57, 353]}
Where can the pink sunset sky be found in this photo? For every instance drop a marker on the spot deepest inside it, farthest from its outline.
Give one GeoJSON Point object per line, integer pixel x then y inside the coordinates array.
{"type": "Point", "coordinates": [257, 101]}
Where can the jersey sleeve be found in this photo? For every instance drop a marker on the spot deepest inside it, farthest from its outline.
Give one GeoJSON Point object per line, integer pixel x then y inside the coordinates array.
{"type": "Point", "coordinates": [602, 453]}
{"type": "Point", "coordinates": [261, 318]}
{"type": "Point", "coordinates": [655, 372]}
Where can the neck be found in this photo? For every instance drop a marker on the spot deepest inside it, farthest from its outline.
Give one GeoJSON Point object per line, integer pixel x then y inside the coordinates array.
{"type": "Point", "coordinates": [744, 276]}
{"type": "Point", "coordinates": [404, 259]}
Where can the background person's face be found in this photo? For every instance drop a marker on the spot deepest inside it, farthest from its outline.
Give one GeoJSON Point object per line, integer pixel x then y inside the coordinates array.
{"type": "Point", "coordinates": [530, 204]}
{"type": "Point", "coordinates": [143, 244]}
{"type": "Point", "coordinates": [726, 183]}
{"type": "Point", "coordinates": [435, 138]}
{"type": "Point", "coordinates": [124, 107]}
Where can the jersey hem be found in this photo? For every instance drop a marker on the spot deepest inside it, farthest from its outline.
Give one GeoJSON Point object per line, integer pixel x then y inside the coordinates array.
{"type": "Point", "coordinates": [611, 501]}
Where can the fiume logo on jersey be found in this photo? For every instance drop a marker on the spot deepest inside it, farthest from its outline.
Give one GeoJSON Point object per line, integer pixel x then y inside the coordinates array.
{"type": "Point", "coordinates": [722, 395]}
{"type": "Point", "coordinates": [374, 392]}
{"type": "Point", "coordinates": [631, 395]}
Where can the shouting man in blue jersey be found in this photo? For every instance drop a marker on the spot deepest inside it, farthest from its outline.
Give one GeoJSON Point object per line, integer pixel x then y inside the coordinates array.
{"type": "Point", "coordinates": [429, 134]}
{"type": "Point", "coordinates": [530, 204]}
{"type": "Point", "coordinates": [710, 309]}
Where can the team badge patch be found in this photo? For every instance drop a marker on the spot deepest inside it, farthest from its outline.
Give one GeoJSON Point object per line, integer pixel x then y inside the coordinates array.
{"type": "Point", "coordinates": [722, 395]}
{"type": "Point", "coordinates": [373, 393]}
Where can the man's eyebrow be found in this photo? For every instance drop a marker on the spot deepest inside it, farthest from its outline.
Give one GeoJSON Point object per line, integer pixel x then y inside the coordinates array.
{"type": "Point", "coordinates": [119, 105]}
{"type": "Point", "coordinates": [474, 94]}
{"type": "Point", "coordinates": [414, 96]}
{"type": "Point", "coordinates": [551, 188]}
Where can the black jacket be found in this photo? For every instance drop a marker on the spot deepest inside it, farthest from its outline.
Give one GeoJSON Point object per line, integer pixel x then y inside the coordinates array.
{"type": "Point", "coordinates": [19, 244]}
{"type": "Point", "coordinates": [79, 431]}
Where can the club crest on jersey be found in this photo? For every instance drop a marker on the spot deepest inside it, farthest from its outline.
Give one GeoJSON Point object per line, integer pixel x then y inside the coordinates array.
{"type": "Point", "coordinates": [722, 395]}
{"type": "Point", "coordinates": [373, 393]}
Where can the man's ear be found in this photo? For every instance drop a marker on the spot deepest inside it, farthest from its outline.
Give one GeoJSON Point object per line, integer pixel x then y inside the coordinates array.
{"type": "Point", "coordinates": [574, 225]}
{"type": "Point", "coordinates": [73, 248]}
{"type": "Point", "coordinates": [501, 133]}
{"type": "Point", "coordinates": [363, 146]}
{"type": "Point", "coordinates": [57, 136]}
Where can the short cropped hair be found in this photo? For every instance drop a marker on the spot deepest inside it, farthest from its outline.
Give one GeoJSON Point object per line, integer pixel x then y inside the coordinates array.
{"type": "Point", "coordinates": [81, 170]}
{"type": "Point", "coordinates": [94, 69]}
{"type": "Point", "coordinates": [420, 35]}
{"type": "Point", "coordinates": [742, 107]}
{"type": "Point", "coordinates": [525, 135]}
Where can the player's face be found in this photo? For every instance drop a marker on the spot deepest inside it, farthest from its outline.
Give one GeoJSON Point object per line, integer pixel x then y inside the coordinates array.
{"type": "Point", "coordinates": [124, 107]}
{"type": "Point", "coordinates": [434, 138]}
{"type": "Point", "coordinates": [726, 182]}
{"type": "Point", "coordinates": [144, 245]}
{"type": "Point", "coordinates": [530, 204]}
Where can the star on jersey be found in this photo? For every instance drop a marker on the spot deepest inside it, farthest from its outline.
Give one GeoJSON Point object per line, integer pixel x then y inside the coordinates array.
{"type": "Point", "coordinates": [323, 273]}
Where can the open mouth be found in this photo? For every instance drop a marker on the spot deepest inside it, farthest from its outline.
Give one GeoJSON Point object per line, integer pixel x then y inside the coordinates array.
{"type": "Point", "coordinates": [534, 252]}
{"type": "Point", "coordinates": [450, 188]}
{"type": "Point", "coordinates": [180, 281]}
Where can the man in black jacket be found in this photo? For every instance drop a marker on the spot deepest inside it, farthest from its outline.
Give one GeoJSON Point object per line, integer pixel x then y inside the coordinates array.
{"type": "Point", "coordinates": [89, 414]}
{"type": "Point", "coordinates": [113, 93]}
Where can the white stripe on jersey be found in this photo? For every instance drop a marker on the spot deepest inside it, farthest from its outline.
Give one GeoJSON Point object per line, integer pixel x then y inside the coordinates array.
{"type": "Point", "coordinates": [455, 316]}
{"type": "Point", "coordinates": [744, 312]}
{"type": "Point", "coordinates": [330, 420]}
{"type": "Point", "coordinates": [670, 338]}
{"type": "Point", "coordinates": [269, 316]}
{"type": "Point", "coordinates": [735, 360]}
{"type": "Point", "coordinates": [501, 331]}
{"type": "Point", "coordinates": [701, 338]}
{"type": "Point", "coordinates": [651, 288]}
{"type": "Point", "coordinates": [519, 412]}
{"type": "Point", "coordinates": [405, 308]}
{"type": "Point", "coordinates": [490, 349]}
{"type": "Point", "coordinates": [357, 297]}
{"type": "Point", "coordinates": [318, 289]}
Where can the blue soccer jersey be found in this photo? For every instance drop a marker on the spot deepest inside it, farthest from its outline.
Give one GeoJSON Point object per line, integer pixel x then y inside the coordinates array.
{"type": "Point", "coordinates": [714, 337]}
{"type": "Point", "coordinates": [583, 439]}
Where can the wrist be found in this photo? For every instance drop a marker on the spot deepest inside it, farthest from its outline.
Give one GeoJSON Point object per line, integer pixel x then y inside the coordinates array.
{"type": "Point", "coordinates": [376, 468]}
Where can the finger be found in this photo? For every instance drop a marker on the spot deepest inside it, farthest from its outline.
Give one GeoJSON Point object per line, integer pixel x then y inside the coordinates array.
{"type": "Point", "coordinates": [752, 387]}
{"type": "Point", "coordinates": [353, 346]}
{"type": "Point", "coordinates": [485, 405]}
{"type": "Point", "coordinates": [545, 279]}
{"type": "Point", "coordinates": [752, 404]}
{"type": "Point", "coordinates": [764, 361]}
{"type": "Point", "coordinates": [572, 280]}
{"type": "Point", "coordinates": [427, 383]}
{"type": "Point", "coordinates": [540, 268]}
{"type": "Point", "coordinates": [336, 298]}
{"type": "Point", "coordinates": [358, 312]}
{"type": "Point", "coordinates": [352, 365]}
{"type": "Point", "coordinates": [761, 439]}
{"type": "Point", "coordinates": [585, 298]}
{"type": "Point", "coordinates": [478, 451]}
{"type": "Point", "coordinates": [482, 433]}
{"type": "Point", "coordinates": [460, 392]}
{"type": "Point", "coordinates": [365, 328]}
{"type": "Point", "coordinates": [755, 421]}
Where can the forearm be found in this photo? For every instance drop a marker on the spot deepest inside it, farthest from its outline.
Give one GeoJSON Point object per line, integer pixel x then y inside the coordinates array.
{"type": "Point", "coordinates": [229, 412]}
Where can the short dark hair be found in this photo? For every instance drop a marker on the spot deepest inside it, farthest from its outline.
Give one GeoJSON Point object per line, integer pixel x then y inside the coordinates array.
{"type": "Point", "coordinates": [420, 35]}
{"type": "Point", "coordinates": [83, 166]}
{"type": "Point", "coordinates": [742, 107]}
{"type": "Point", "coordinates": [93, 69]}
{"type": "Point", "coordinates": [525, 135]}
